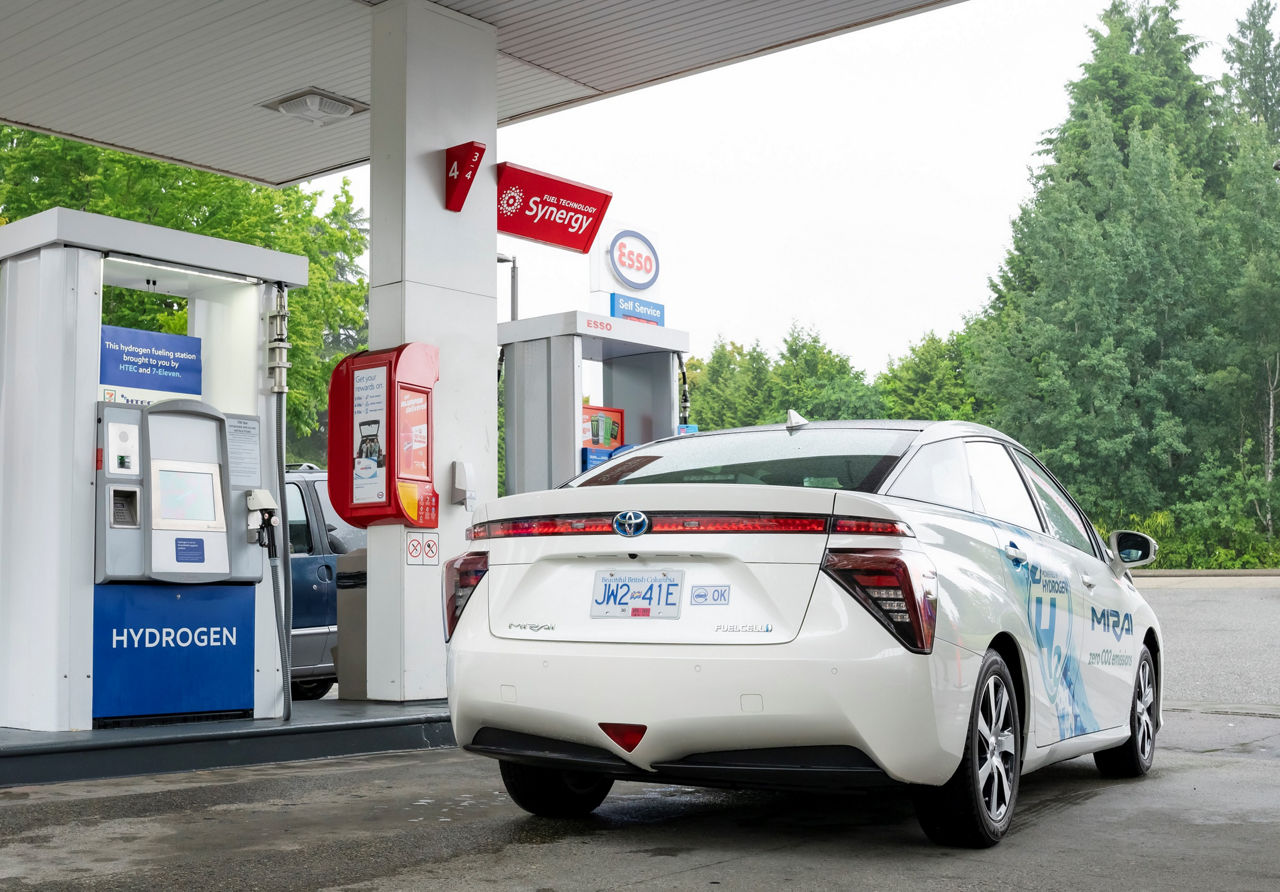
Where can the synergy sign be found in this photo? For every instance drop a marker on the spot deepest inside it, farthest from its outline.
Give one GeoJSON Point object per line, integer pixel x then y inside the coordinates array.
{"type": "Point", "coordinates": [548, 209]}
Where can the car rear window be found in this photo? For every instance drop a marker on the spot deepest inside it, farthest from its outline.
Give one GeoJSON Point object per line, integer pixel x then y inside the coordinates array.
{"type": "Point", "coordinates": [830, 458]}
{"type": "Point", "coordinates": [344, 537]}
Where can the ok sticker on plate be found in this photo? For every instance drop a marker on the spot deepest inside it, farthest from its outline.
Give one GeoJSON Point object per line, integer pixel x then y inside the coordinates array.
{"type": "Point", "coordinates": [702, 595]}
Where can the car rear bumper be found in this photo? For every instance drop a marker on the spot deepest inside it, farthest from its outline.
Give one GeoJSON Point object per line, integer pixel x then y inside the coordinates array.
{"type": "Point", "coordinates": [825, 768]}
{"type": "Point", "coordinates": [843, 684]}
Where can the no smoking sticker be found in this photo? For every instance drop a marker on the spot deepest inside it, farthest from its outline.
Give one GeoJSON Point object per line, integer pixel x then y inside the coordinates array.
{"type": "Point", "coordinates": [421, 549]}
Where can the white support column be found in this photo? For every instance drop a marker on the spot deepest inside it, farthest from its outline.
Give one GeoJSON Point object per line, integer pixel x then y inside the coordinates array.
{"type": "Point", "coordinates": [433, 280]}
{"type": "Point", "coordinates": [50, 314]}
{"type": "Point", "coordinates": [544, 412]}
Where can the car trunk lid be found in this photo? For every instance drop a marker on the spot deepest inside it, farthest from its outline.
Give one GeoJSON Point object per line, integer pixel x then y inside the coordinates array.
{"type": "Point", "coordinates": [719, 564]}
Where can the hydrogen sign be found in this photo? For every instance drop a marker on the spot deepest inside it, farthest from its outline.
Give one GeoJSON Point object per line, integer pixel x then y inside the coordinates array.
{"type": "Point", "coordinates": [168, 649]}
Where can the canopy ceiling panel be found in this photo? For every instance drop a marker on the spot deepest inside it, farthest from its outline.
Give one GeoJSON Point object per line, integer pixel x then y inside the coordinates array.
{"type": "Point", "coordinates": [189, 80]}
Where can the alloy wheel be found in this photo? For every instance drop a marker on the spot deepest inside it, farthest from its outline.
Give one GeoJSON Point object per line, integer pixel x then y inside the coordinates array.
{"type": "Point", "coordinates": [997, 749]}
{"type": "Point", "coordinates": [1144, 698]}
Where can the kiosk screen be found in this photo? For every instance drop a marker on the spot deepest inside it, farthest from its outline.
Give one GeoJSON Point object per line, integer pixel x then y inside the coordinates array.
{"type": "Point", "coordinates": [187, 496]}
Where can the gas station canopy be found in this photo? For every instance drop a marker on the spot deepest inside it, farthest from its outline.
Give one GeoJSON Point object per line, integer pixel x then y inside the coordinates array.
{"type": "Point", "coordinates": [277, 91]}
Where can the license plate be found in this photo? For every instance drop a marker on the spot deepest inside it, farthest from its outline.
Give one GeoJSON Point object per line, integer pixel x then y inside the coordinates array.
{"type": "Point", "coordinates": [629, 595]}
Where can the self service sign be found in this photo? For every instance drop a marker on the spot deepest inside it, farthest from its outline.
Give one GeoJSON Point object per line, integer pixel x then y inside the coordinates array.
{"type": "Point", "coordinates": [549, 209]}
{"type": "Point", "coordinates": [624, 306]}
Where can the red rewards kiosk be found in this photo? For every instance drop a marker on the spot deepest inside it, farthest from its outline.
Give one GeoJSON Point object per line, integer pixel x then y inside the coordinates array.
{"type": "Point", "coordinates": [380, 437]}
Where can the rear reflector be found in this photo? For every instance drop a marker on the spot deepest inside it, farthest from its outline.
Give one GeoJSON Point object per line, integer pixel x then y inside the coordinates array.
{"type": "Point", "coordinates": [626, 736]}
{"type": "Point", "coordinates": [461, 576]}
{"type": "Point", "coordinates": [882, 581]}
{"type": "Point", "coordinates": [671, 522]}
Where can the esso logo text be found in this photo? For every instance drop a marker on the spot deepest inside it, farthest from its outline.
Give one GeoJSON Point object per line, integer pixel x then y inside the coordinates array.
{"type": "Point", "coordinates": [633, 260]}
{"type": "Point", "coordinates": [600, 324]}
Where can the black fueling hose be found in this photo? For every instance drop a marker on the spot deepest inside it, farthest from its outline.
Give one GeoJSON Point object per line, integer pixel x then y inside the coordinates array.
{"type": "Point", "coordinates": [684, 391]}
{"type": "Point", "coordinates": [273, 554]}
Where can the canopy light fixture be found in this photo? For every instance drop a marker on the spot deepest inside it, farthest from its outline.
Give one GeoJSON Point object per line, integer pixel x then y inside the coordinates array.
{"type": "Point", "coordinates": [183, 270]}
{"type": "Point", "coordinates": [318, 106]}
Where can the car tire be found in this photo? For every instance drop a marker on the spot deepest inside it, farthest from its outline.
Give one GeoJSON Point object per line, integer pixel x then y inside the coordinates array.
{"type": "Point", "coordinates": [975, 807]}
{"type": "Point", "coordinates": [1133, 758]}
{"type": "Point", "coordinates": [310, 689]}
{"type": "Point", "coordinates": [551, 793]}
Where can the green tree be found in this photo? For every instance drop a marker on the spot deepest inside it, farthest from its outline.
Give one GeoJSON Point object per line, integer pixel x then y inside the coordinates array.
{"type": "Point", "coordinates": [1140, 72]}
{"type": "Point", "coordinates": [1103, 366]}
{"type": "Point", "coordinates": [328, 318]}
{"type": "Point", "coordinates": [732, 388]}
{"type": "Point", "coordinates": [1253, 79]}
{"type": "Point", "coordinates": [738, 386]}
{"type": "Point", "coordinates": [819, 383]}
{"type": "Point", "coordinates": [929, 382]}
{"type": "Point", "coordinates": [1249, 374]}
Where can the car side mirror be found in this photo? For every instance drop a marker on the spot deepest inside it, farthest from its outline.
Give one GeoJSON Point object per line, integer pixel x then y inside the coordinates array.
{"type": "Point", "coordinates": [1131, 549]}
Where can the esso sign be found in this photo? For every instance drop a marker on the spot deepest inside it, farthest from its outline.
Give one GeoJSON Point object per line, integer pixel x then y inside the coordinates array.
{"type": "Point", "coordinates": [634, 260]}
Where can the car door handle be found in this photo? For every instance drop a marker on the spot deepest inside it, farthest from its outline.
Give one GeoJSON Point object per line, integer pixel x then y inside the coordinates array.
{"type": "Point", "coordinates": [1087, 580]}
{"type": "Point", "coordinates": [1015, 554]}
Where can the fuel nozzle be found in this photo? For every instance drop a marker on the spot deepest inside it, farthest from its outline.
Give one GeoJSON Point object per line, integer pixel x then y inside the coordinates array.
{"type": "Point", "coordinates": [264, 514]}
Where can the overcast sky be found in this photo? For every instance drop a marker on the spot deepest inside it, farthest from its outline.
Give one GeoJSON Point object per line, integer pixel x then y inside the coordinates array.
{"type": "Point", "coordinates": [861, 186]}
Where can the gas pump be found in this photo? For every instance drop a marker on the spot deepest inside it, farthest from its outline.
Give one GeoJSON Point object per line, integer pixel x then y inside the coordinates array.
{"type": "Point", "coordinates": [551, 434]}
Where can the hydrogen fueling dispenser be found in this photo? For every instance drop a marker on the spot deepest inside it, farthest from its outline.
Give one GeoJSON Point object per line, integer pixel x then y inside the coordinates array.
{"type": "Point", "coordinates": [134, 582]}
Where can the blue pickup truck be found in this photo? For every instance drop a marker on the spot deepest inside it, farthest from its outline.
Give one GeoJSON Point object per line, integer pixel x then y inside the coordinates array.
{"type": "Point", "coordinates": [317, 535]}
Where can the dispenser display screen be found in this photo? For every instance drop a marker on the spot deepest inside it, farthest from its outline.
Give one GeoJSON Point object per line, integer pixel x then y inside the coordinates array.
{"type": "Point", "coordinates": [187, 496]}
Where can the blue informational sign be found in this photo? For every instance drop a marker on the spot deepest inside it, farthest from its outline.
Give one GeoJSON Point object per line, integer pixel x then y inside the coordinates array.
{"type": "Point", "coordinates": [686, 429]}
{"type": "Point", "coordinates": [149, 360]}
{"type": "Point", "coordinates": [169, 649]}
{"type": "Point", "coordinates": [592, 458]}
{"type": "Point", "coordinates": [188, 551]}
{"type": "Point", "coordinates": [624, 306]}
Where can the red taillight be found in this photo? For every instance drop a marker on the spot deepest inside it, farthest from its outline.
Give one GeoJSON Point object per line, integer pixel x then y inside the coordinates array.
{"type": "Point", "coordinates": [679, 522]}
{"type": "Point", "coordinates": [542, 526]}
{"type": "Point", "coordinates": [736, 523]}
{"type": "Point", "coordinates": [667, 522]}
{"type": "Point", "coordinates": [626, 736]}
{"type": "Point", "coordinates": [882, 581]}
{"type": "Point", "coordinates": [868, 526]}
{"type": "Point", "coordinates": [461, 576]}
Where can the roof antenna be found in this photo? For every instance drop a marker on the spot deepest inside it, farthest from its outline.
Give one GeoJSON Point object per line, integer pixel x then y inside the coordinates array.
{"type": "Point", "coordinates": [795, 420]}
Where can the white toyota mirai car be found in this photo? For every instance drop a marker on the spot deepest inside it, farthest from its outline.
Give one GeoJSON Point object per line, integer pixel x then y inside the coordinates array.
{"type": "Point", "coordinates": [820, 606]}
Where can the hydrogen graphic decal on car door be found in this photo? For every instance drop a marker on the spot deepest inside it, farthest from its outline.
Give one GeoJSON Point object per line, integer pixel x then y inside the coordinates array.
{"type": "Point", "coordinates": [1052, 617]}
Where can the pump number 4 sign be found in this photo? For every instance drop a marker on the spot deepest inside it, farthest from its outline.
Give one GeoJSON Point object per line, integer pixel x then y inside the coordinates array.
{"type": "Point", "coordinates": [461, 163]}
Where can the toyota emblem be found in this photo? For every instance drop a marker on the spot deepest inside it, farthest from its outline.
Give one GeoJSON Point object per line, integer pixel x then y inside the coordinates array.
{"type": "Point", "coordinates": [630, 524]}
